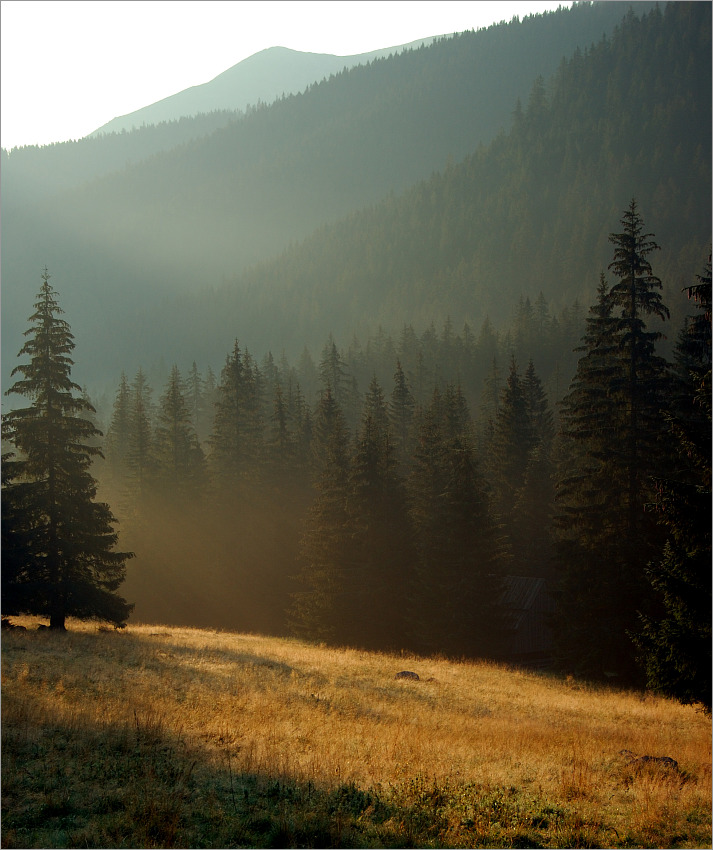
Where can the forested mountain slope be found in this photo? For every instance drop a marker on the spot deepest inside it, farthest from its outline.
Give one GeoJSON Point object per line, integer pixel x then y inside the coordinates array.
{"type": "Point", "coordinates": [34, 173]}
{"type": "Point", "coordinates": [261, 78]}
{"type": "Point", "coordinates": [529, 213]}
{"type": "Point", "coordinates": [122, 245]}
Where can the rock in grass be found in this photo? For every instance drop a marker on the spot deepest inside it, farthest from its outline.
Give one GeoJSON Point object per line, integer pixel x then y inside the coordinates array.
{"type": "Point", "coordinates": [407, 674]}
{"type": "Point", "coordinates": [640, 761]}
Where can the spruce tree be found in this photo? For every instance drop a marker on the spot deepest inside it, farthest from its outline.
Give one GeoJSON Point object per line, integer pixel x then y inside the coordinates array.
{"type": "Point", "coordinates": [379, 554]}
{"type": "Point", "coordinates": [401, 415]}
{"type": "Point", "coordinates": [333, 372]}
{"type": "Point", "coordinates": [316, 608]}
{"type": "Point", "coordinates": [675, 644]}
{"type": "Point", "coordinates": [118, 433]}
{"type": "Point", "coordinates": [642, 388]}
{"type": "Point", "coordinates": [140, 460]}
{"type": "Point", "coordinates": [179, 459]}
{"type": "Point", "coordinates": [513, 440]}
{"type": "Point", "coordinates": [589, 491]}
{"type": "Point", "coordinates": [531, 527]}
{"type": "Point", "coordinates": [61, 540]}
{"type": "Point", "coordinates": [236, 440]}
{"type": "Point", "coordinates": [613, 416]}
{"type": "Point", "coordinates": [460, 560]}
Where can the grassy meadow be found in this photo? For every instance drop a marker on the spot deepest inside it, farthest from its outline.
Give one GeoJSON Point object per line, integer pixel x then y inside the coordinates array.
{"type": "Point", "coordinates": [157, 736]}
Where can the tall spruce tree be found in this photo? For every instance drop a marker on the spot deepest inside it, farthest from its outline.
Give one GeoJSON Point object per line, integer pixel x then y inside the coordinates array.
{"type": "Point", "coordinates": [140, 461]}
{"type": "Point", "coordinates": [642, 388]}
{"type": "Point", "coordinates": [236, 441]}
{"type": "Point", "coordinates": [459, 554]}
{"type": "Point", "coordinates": [180, 463]}
{"type": "Point", "coordinates": [512, 443]}
{"type": "Point", "coordinates": [379, 555]}
{"type": "Point", "coordinates": [316, 608]}
{"type": "Point", "coordinates": [613, 416]}
{"type": "Point", "coordinates": [589, 490]}
{"type": "Point", "coordinates": [531, 526]}
{"type": "Point", "coordinates": [62, 540]}
{"type": "Point", "coordinates": [118, 433]}
{"type": "Point", "coordinates": [401, 415]}
{"type": "Point", "coordinates": [675, 646]}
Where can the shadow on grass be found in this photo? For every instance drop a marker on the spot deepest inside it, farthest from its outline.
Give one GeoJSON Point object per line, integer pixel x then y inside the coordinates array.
{"type": "Point", "coordinates": [78, 785]}
{"type": "Point", "coordinates": [72, 784]}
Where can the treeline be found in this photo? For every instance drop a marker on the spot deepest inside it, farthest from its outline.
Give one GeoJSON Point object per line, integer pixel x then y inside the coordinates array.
{"type": "Point", "coordinates": [244, 193]}
{"type": "Point", "coordinates": [244, 451]}
{"type": "Point", "coordinates": [389, 517]}
{"type": "Point", "coordinates": [528, 211]}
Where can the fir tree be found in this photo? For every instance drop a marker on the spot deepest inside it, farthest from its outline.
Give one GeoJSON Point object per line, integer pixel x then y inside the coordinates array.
{"type": "Point", "coordinates": [140, 454]}
{"type": "Point", "coordinates": [118, 433]}
{"type": "Point", "coordinates": [401, 415]}
{"type": "Point", "coordinates": [589, 491]}
{"type": "Point", "coordinates": [614, 416]}
{"type": "Point", "coordinates": [459, 554]}
{"type": "Point", "coordinates": [316, 607]}
{"type": "Point", "coordinates": [179, 459]}
{"type": "Point", "coordinates": [513, 440]}
{"type": "Point", "coordinates": [61, 540]}
{"type": "Point", "coordinates": [675, 646]}
{"type": "Point", "coordinates": [236, 441]}
{"type": "Point", "coordinates": [531, 528]}
{"type": "Point", "coordinates": [379, 552]}
{"type": "Point", "coordinates": [333, 372]}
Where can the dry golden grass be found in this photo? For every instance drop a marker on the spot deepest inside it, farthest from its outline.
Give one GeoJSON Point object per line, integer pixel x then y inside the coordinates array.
{"type": "Point", "coordinates": [473, 754]}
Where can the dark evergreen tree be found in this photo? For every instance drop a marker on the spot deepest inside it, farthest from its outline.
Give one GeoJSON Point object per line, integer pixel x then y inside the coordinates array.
{"type": "Point", "coordinates": [614, 414]}
{"type": "Point", "coordinates": [316, 608]}
{"type": "Point", "coordinates": [140, 454]}
{"type": "Point", "coordinates": [531, 529]}
{"type": "Point", "coordinates": [589, 491]}
{"type": "Point", "coordinates": [513, 440]}
{"type": "Point", "coordinates": [236, 441]}
{"type": "Point", "coordinates": [379, 556]}
{"type": "Point", "coordinates": [401, 416]}
{"type": "Point", "coordinates": [119, 432]}
{"type": "Point", "coordinates": [642, 388]}
{"type": "Point", "coordinates": [196, 401]}
{"type": "Point", "coordinates": [459, 555]}
{"type": "Point", "coordinates": [675, 646]}
{"type": "Point", "coordinates": [179, 460]}
{"type": "Point", "coordinates": [333, 372]}
{"type": "Point", "coordinates": [63, 561]}
{"type": "Point", "coordinates": [300, 414]}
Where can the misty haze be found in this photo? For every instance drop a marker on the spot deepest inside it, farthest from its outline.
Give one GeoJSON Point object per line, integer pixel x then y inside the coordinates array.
{"type": "Point", "coordinates": [358, 409]}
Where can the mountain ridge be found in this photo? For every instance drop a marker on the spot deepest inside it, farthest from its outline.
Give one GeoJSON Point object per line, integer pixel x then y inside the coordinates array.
{"type": "Point", "coordinates": [191, 220]}
{"type": "Point", "coordinates": [264, 77]}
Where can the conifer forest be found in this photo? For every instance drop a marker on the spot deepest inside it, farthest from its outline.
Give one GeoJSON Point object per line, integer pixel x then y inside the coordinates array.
{"type": "Point", "coordinates": [397, 397]}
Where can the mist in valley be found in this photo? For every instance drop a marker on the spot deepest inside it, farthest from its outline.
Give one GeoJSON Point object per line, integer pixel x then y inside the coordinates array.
{"type": "Point", "coordinates": [426, 417]}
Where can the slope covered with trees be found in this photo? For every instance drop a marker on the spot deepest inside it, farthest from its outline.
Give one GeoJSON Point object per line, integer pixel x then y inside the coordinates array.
{"type": "Point", "coordinates": [523, 215]}
{"type": "Point", "coordinates": [188, 218]}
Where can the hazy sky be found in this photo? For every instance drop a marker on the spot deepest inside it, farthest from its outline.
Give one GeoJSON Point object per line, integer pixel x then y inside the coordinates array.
{"type": "Point", "coordinates": [69, 66]}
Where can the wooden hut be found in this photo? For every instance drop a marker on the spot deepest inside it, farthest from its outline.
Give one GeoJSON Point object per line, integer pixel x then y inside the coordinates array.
{"type": "Point", "coordinates": [530, 606]}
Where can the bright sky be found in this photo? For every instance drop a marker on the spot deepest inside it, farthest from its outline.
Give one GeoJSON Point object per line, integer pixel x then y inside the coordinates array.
{"type": "Point", "coordinates": [69, 66]}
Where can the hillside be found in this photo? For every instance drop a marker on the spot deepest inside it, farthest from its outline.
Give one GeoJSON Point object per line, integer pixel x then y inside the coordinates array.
{"type": "Point", "coordinates": [261, 78]}
{"type": "Point", "coordinates": [183, 220]}
{"type": "Point", "coordinates": [176, 737]}
{"type": "Point", "coordinates": [531, 213]}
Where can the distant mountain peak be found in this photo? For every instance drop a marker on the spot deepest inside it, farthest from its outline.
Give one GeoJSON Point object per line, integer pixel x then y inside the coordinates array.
{"type": "Point", "coordinates": [262, 77]}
